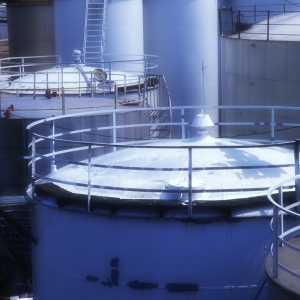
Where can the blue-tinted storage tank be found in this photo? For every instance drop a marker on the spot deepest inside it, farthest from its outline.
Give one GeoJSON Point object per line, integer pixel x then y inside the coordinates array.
{"type": "Point", "coordinates": [184, 34]}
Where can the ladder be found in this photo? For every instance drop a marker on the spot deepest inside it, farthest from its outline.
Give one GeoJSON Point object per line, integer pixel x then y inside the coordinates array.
{"type": "Point", "coordinates": [94, 32]}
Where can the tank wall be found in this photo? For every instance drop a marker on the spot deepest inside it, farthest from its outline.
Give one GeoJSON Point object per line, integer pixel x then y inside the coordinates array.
{"type": "Point", "coordinates": [261, 73]}
{"type": "Point", "coordinates": [75, 251]}
{"type": "Point", "coordinates": [184, 34]}
{"type": "Point", "coordinates": [69, 27]}
{"type": "Point", "coordinates": [124, 27]}
{"type": "Point", "coordinates": [31, 30]}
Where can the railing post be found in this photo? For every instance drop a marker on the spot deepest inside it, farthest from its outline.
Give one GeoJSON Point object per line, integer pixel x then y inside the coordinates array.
{"type": "Point", "coordinates": [63, 101]}
{"type": "Point", "coordinates": [92, 91]}
{"type": "Point", "coordinates": [89, 178]}
{"type": "Point", "coordinates": [34, 84]}
{"type": "Point", "coordinates": [239, 24]}
{"type": "Point", "coordinates": [114, 135]}
{"type": "Point", "coordinates": [116, 95]}
{"type": "Point", "coordinates": [297, 181]}
{"type": "Point", "coordinates": [33, 167]}
{"type": "Point", "coordinates": [190, 184]}
{"type": "Point", "coordinates": [272, 124]}
{"type": "Point", "coordinates": [268, 26]}
{"type": "Point", "coordinates": [275, 242]}
{"type": "Point", "coordinates": [254, 13]}
{"type": "Point", "coordinates": [182, 121]}
{"type": "Point", "coordinates": [280, 220]}
{"type": "Point", "coordinates": [52, 147]}
{"type": "Point", "coordinates": [79, 84]}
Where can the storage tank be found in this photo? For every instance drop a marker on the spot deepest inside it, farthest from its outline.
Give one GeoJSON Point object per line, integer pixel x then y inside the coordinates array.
{"type": "Point", "coordinates": [132, 236]}
{"type": "Point", "coordinates": [30, 28]}
{"type": "Point", "coordinates": [260, 66]}
{"type": "Point", "coordinates": [123, 27]}
{"type": "Point", "coordinates": [184, 35]}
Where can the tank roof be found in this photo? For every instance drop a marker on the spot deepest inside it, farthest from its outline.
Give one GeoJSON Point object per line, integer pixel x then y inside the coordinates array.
{"type": "Point", "coordinates": [283, 27]}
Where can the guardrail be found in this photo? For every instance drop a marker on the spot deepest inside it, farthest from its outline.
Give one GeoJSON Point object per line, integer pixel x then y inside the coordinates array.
{"type": "Point", "coordinates": [72, 146]}
{"type": "Point", "coordinates": [237, 20]}
{"type": "Point", "coordinates": [34, 74]}
{"type": "Point", "coordinates": [283, 236]}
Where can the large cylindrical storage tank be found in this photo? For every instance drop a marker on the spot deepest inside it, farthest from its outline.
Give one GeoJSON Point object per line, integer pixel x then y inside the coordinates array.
{"type": "Point", "coordinates": [31, 29]}
{"type": "Point", "coordinates": [261, 70]}
{"type": "Point", "coordinates": [124, 27]}
{"type": "Point", "coordinates": [139, 256]}
{"type": "Point", "coordinates": [184, 35]}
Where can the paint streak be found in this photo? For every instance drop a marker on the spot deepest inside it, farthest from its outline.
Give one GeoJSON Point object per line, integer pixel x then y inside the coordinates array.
{"type": "Point", "coordinates": [182, 288]}
{"type": "Point", "coordinates": [136, 285]}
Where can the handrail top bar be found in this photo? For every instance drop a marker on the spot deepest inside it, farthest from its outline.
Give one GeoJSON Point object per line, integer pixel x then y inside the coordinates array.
{"type": "Point", "coordinates": [120, 110]}
{"type": "Point", "coordinates": [276, 186]}
{"type": "Point", "coordinates": [166, 147]}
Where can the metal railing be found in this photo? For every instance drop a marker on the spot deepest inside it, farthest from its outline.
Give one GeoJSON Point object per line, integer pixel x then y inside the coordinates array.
{"type": "Point", "coordinates": [283, 236]}
{"type": "Point", "coordinates": [34, 74]}
{"type": "Point", "coordinates": [90, 148]}
{"type": "Point", "coordinates": [235, 21]}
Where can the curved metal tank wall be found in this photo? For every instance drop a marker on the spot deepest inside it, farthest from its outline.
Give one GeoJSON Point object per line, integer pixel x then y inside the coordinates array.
{"type": "Point", "coordinates": [30, 30]}
{"type": "Point", "coordinates": [87, 256]}
{"type": "Point", "coordinates": [184, 34]}
{"type": "Point", "coordinates": [257, 72]}
{"type": "Point", "coordinates": [124, 27]}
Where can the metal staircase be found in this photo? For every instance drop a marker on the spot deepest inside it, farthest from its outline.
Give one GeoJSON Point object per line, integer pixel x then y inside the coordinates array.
{"type": "Point", "coordinates": [94, 33]}
{"type": "Point", "coordinates": [15, 225]}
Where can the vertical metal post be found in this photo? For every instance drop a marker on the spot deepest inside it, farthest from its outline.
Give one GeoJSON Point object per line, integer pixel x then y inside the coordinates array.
{"type": "Point", "coordinates": [52, 147]}
{"type": "Point", "coordinates": [239, 24]}
{"type": "Point", "coordinates": [79, 74]}
{"type": "Point", "coordinates": [272, 124]}
{"type": "Point", "coordinates": [268, 26]}
{"type": "Point", "coordinates": [275, 242]}
{"type": "Point", "coordinates": [139, 88]}
{"type": "Point", "coordinates": [47, 80]}
{"type": "Point", "coordinates": [125, 91]}
{"type": "Point", "coordinates": [33, 166]}
{"type": "Point", "coordinates": [116, 95]}
{"type": "Point", "coordinates": [34, 84]}
{"type": "Point", "coordinates": [182, 121]}
{"type": "Point", "coordinates": [92, 91]}
{"type": "Point", "coordinates": [190, 184]}
{"type": "Point", "coordinates": [63, 101]}
{"type": "Point", "coordinates": [89, 178]}
{"type": "Point", "coordinates": [109, 75]}
{"type": "Point", "coordinates": [254, 13]}
{"type": "Point", "coordinates": [297, 181]}
{"type": "Point", "coordinates": [220, 22]}
{"type": "Point", "coordinates": [114, 135]}
{"type": "Point", "coordinates": [280, 220]}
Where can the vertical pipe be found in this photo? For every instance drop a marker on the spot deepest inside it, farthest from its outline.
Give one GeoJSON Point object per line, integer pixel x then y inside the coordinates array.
{"type": "Point", "coordinates": [47, 80]}
{"type": "Point", "coordinates": [89, 178]}
{"type": "Point", "coordinates": [268, 26]}
{"type": "Point", "coordinates": [190, 184]}
{"type": "Point", "coordinates": [254, 13]}
{"type": "Point", "coordinates": [182, 121]}
{"type": "Point", "coordinates": [275, 242]}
